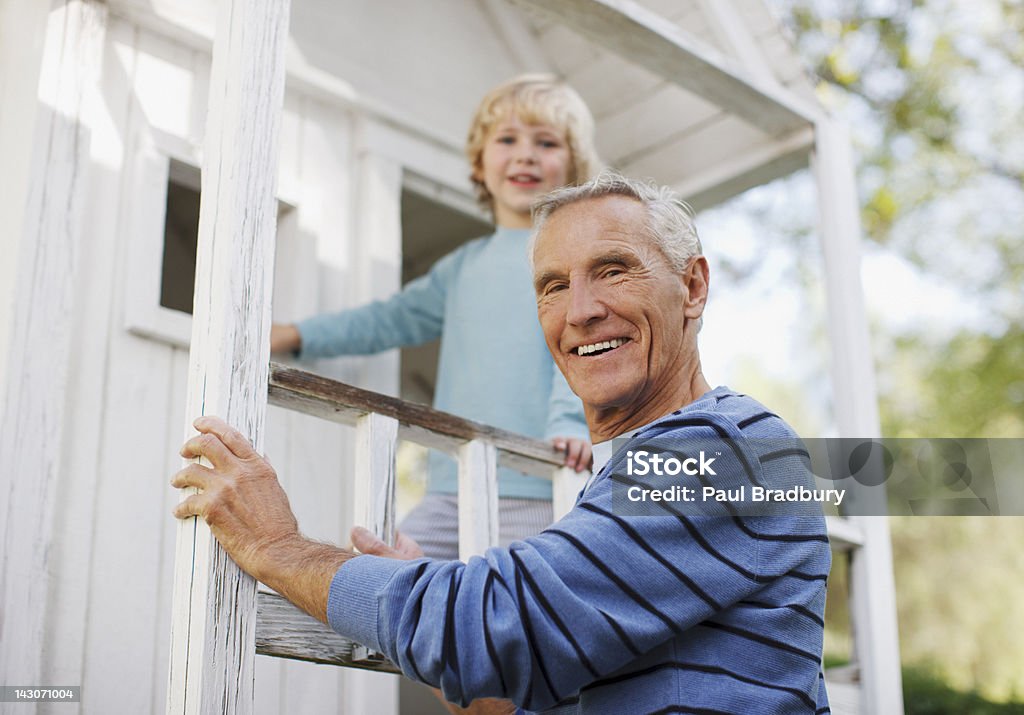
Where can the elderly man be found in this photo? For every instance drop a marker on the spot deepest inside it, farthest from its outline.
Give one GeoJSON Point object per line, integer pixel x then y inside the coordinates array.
{"type": "Point", "coordinates": [605, 611]}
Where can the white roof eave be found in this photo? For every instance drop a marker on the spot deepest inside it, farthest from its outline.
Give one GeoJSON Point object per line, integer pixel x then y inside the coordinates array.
{"type": "Point", "coordinates": [648, 40]}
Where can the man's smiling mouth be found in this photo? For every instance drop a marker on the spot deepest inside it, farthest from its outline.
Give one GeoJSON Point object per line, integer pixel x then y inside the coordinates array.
{"type": "Point", "coordinates": [600, 348]}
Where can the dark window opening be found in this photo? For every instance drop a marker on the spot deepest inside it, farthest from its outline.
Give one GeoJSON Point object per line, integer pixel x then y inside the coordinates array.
{"type": "Point", "coordinates": [181, 233]}
{"type": "Point", "coordinates": [181, 237]}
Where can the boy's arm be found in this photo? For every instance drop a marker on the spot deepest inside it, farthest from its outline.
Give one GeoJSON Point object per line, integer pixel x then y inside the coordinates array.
{"type": "Point", "coordinates": [567, 427]}
{"type": "Point", "coordinates": [412, 316]}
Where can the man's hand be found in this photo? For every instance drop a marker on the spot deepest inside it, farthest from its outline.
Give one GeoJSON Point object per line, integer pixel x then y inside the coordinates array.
{"type": "Point", "coordinates": [578, 453]}
{"type": "Point", "coordinates": [366, 542]}
{"type": "Point", "coordinates": [249, 514]}
{"type": "Point", "coordinates": [407, 549]}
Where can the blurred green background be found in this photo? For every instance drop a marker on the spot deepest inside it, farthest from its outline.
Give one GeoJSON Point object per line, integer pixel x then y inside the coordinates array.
{"type": "Point", "coordinates": [933, 91]}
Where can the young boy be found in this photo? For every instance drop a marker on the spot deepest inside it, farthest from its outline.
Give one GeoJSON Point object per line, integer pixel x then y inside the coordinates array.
{"type": "Point", "coordinates": [529, 135]}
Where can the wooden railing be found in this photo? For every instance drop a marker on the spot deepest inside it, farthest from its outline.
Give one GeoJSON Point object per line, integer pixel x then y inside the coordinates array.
{"type": "Point", "coordinates": [381, 421]}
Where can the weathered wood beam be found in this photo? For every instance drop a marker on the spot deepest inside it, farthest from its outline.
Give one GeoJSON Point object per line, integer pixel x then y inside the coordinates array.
{"type": "Point", "coordinates": [283, 631]}
{"type": "Point", "coordinates": [214, 606]}
{"type": "Point", "coordinates": [646, 39]}
{"type": "Point", "coordinates": [754, 167]}
{"type": "Point", "coordinates": [332, 400]}
{"type": "Point", "coordinates": [733, 32]}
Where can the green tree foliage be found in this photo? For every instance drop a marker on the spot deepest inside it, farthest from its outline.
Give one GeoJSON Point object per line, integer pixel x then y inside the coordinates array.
{"type": "Point", "coordinates": [934, 90]}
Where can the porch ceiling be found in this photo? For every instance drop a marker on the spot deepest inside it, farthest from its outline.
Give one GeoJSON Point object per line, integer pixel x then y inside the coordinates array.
{"type": "Point", "coordinates": [704, 95]}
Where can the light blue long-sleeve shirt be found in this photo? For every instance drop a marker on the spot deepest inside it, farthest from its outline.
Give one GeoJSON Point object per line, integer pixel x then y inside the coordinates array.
{"type": "Point", "coordinates": [494, 366]}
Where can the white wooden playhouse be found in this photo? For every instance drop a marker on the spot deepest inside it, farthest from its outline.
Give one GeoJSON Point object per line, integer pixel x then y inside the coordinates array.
{"type": "Point", "coordinates": [107, 112]}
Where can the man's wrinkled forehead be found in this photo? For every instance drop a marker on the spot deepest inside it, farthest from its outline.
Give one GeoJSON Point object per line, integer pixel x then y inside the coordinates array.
{"type": "Point", "coordinates": [579, 227]}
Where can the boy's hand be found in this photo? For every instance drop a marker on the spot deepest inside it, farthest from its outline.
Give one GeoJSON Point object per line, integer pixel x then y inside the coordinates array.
{"type": "Point", "coordinates": [285, 338]}
{"type": "Point", "coordinates": [578, 453]}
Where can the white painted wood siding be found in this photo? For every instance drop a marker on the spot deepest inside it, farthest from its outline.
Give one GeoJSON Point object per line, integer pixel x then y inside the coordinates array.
{"type": "Point", "coordinates": [57, 168]}
{"type": "Point", "coordinates": [111, 547]}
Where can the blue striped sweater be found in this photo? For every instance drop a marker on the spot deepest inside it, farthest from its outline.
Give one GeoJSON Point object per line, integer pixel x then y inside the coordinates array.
{"type": "Point", "coordinates": [612, 614]}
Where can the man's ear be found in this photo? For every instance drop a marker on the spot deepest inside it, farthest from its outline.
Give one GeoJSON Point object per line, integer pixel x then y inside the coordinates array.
{"type": "Point", "coordinates": [696, 280]}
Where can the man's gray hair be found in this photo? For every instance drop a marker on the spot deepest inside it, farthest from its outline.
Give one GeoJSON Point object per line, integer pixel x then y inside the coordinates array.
{"type": "Point", "coordinates": [669, 219]}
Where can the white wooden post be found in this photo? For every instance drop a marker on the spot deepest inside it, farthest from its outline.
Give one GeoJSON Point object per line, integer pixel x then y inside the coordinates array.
{"type": "Point", "coordinates": [46, 187]}
{"type": "Point", "coordinates": [375, 272]}
{"type": "Point", "coordinates": [565, 487]}
{"type": "Point", "coordinates": [373, 494]}
{"type": "Point", "coordinates": [374, 479]}
{"type": "Point", "coordinates": [478, 498]}
{"type": "Point", "coordinates": [213, 628]}
{"type": "Point", "coordinates": [873, 591]}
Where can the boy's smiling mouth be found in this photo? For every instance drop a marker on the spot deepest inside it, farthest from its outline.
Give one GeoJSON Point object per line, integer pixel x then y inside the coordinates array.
{"type": "Point", "coordinates": [527, 179]}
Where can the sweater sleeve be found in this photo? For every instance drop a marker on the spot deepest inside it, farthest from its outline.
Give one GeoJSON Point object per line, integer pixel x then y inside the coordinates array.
{"type": "Point", "coordinates": [538, 620]}
{"type": "Point", "coordinates": [412, 316]}
{"type": "Point", "coordinates": [565, 411]}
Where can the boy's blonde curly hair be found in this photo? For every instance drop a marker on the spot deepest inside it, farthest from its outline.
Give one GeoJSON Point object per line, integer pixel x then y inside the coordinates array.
{"type": "Point", "coordinates": [535, 99]}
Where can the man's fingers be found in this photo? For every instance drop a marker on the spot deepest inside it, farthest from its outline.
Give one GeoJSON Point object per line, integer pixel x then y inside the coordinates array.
{"type": "Point", "coordinates": [228, 435]}
{"type": "Point", "coordinates": [193, 475]}
{"type": "Point", "coordinates": [209, 446]}
{"type": "Point", "coordinates": [366, 542]}
{"type": "Point", "coordinates": [407, 546]}
{"type": "Point", "coordinates": [194, 505]}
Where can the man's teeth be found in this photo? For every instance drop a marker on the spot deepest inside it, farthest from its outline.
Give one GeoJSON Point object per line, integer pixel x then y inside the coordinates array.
{"type": "Point", "coordinates": [594, 347]}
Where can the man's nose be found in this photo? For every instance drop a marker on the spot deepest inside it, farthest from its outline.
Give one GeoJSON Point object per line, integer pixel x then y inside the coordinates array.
{"type": "Point", "coordinates": [585, 305]}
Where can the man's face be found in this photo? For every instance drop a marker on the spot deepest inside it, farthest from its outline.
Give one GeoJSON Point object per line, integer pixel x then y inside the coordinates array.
{"type": "Point", "coordinates": [612, 309]}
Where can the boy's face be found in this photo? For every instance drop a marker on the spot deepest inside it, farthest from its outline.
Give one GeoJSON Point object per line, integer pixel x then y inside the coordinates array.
{"type": "Point", "coordinates": [521, 162]}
